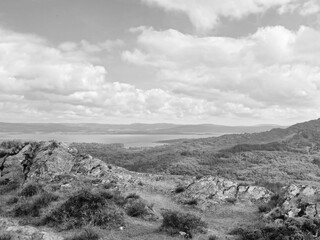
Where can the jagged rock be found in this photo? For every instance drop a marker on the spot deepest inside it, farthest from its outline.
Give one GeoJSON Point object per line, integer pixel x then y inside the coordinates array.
{"type": "Point", "coordinates": [210, 191]}
{"type": "Point", "coordinates": [50, 161]}
{"type": "Point", "coordinates": [301, 200]}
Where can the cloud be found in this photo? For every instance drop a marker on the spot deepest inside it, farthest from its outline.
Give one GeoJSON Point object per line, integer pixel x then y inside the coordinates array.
{"type": "Point", "coordinates": [273, 73]}
{"type": "Point", "coordinates": [206, 14]}
{"type": "Point", "coordinates": [41, 82]}
{"type": "Point", "coordinates": [90, 51]}
{"type": "Point", "coordinates": [310, 8]}
{"type": "Point", "coordinates": [304, 7]}
{"type": "Point", "coordinates": [88, 47]}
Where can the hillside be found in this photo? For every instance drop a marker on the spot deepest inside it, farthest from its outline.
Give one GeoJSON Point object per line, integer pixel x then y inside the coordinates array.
{"type": "Point", "coordinates": [48, 190]}
{"type": "Point", "coordinates": [289, 155]}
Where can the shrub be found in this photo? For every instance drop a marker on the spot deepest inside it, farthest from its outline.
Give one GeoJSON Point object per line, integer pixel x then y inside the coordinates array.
{"type": "Point", "coordinates": [118, 199]}
{"type": "Point", "coordinates": [264, 208]}
{"type": "Point", "coordinates": [7, 185]}
{"type": "Point", "coordinates": [34, 206]}
{"type": "Point", "coordinates": [295, 229]}
{"type": "Point", "coordinates": [85, 208]}
{"type": "Point", "coordinates": [212, 237]}
{"type": "Point", "coordinates": [12, 200]}
{"type": "Point", "coordinates": [175, 222]}
{"type": "Point", "coordinates": [5, 236]}
{"type": "Point", "coordinates": [198, 177]}
{"type": "Point", "coordinates": [45, 199]}
{"type": "Point", "coordinates": [133, 196]}
{"type": "Point", "coordinates": [179, 189]}
{"type": "Point", "coordinates": [30, 190]}
{"type": "Point", "coordinates": [108, 185]}
{"type": "Point", "coordinates": [276, 200]}
{"type": "Point", "coordinates": [136, 208]}
{"type": "Point", "coordinates": [231, 200]}
{"type": "Point", "coordinates": [191, 202]}
{"type": "Point", "coordinates": [87, 234]}
{"type": "Point", "coordinates": [106, 194]}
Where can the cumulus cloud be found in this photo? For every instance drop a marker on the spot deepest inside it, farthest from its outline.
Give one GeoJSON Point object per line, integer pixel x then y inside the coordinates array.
{"type": "Point", "coordinates": [40, 82]}
{"type": "Point", "coordinates": [206, 14]}
{"type": "Point", "coordinates": [273, 73]}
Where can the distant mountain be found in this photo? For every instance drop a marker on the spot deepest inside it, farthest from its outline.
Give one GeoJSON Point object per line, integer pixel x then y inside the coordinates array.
{"type": "Point", "coordinates": [136, 128]}
{"type": "Point", "coordinates": [211, 128]}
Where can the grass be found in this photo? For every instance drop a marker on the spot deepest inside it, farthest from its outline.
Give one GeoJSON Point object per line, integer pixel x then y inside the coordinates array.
{"type": "Point", "coordinates": [87, 234]}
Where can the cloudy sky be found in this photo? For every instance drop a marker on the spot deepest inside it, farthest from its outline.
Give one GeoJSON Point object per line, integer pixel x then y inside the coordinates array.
{"type": "Point", "coordinates": [232, 62]}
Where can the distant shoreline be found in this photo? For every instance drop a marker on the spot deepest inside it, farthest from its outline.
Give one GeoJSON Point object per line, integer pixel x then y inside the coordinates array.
{"type": "Point", "coordinates": [128, 140]}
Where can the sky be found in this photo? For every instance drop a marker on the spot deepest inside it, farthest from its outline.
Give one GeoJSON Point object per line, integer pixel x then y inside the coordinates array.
{"type": "Point", "coordinates": [230, 62]}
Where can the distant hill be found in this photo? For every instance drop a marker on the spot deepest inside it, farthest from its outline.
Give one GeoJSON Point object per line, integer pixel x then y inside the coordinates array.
{"type": "Point", "coordinates": [285, 155]}
{"type": "Point", "coordinates": [137, 128]}
{"type": "Point", "coordinates": [301, 132]}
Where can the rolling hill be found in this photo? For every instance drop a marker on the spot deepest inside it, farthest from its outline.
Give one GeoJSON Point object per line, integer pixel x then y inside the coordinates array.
{"type": "Point", "coordinates": [137, 128]}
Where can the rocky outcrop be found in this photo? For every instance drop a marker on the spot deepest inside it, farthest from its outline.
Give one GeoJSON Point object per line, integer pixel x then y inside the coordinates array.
{"type": "Point", "coordinates": [207, 192]}
{"type": "Point", "coordinates": [60, 166]}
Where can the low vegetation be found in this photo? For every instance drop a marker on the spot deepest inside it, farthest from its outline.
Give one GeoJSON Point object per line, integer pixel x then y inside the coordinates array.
{"type": "Point", "coordinates": [76, 201]}
{"type": "Point", "coordinates": [87, 234]}
{"type": "Point", "coordinates": [212, 237]}
{"type": "Point", "coordinates": [175, 223]}
{"type": "Point", "coordinates": [30, 190]}
{"type": "Point", "coordinates": [32, 207]}
{"type": "Point", "coordinates": [292, 228]}
{"type": "Point", "coordinates": [281, 162]}
{"type": "Point", "coordinates": [85, 208]}
{"type": "Point", "coordinates": [5, 236]}
{"type": "Point", "coordinates": [179, 189]}
{"type": "Point", "coordinates": [136, 208]}
{"type": "Point", "coordinates": [8, 185]}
